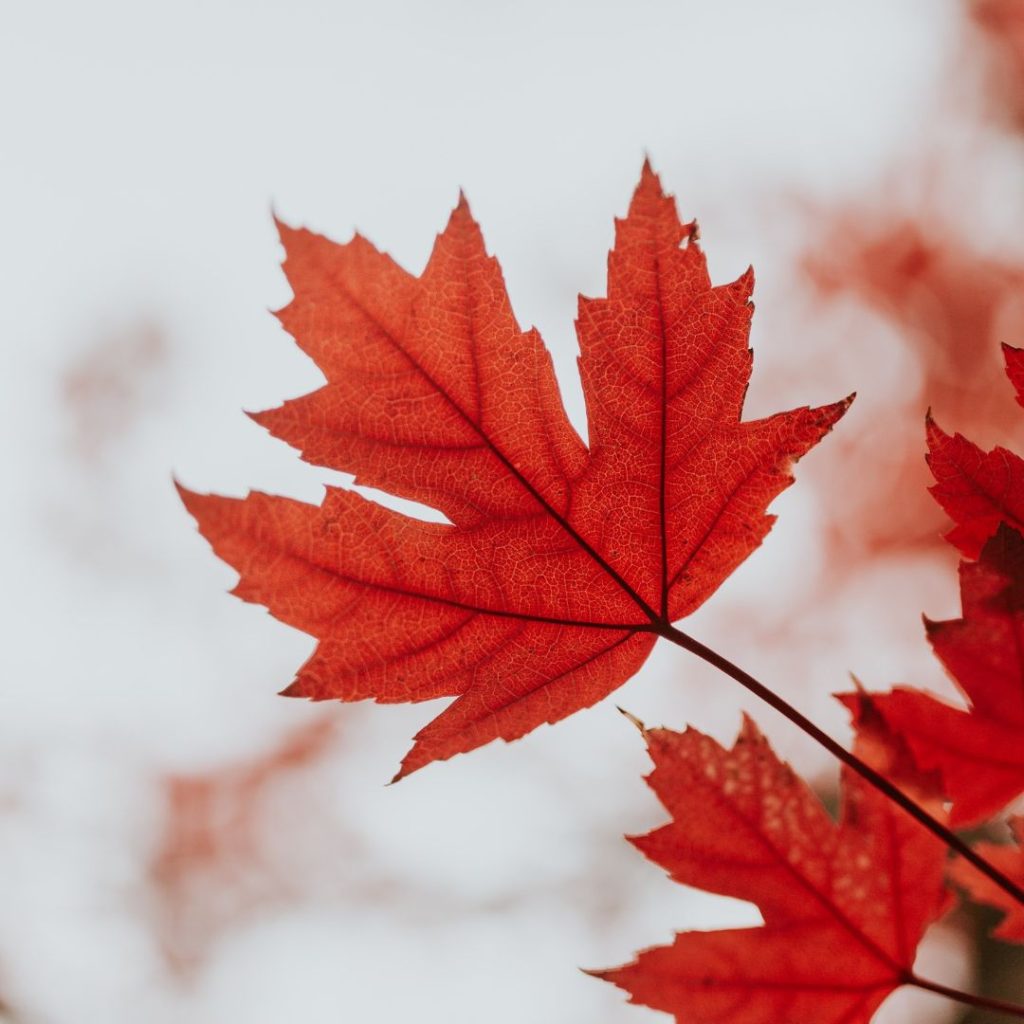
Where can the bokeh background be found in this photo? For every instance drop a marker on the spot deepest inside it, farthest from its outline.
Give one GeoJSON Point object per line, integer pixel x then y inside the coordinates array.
{"type": "Point", "coordinates": [177, 843]}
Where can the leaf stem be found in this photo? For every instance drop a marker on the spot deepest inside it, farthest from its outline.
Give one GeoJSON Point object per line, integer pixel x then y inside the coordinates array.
{"type": "Point", "coordinates": [864, 770]}
{"type": "Point", "coordinates": [983, 1002]}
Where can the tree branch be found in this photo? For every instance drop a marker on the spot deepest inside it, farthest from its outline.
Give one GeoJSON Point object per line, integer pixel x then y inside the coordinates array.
{"type": "Point", "coordinates": [864, 770]}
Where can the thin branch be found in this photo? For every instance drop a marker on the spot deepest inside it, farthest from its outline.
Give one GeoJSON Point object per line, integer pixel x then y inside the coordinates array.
{"type": "Point", "coordinates": [864, 770]}
{"type": "Point", "coordinates": [983, 1002]}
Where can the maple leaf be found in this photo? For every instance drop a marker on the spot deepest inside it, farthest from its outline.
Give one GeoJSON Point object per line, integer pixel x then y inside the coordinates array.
{"type": "Point", "coordinates": [978, 489]}
{"type": "Point", "coordinates": [844, 905]}
{"type": "Point", "coordinates": [978, 751]}
{"type": "Point", "coordinates": [561, 563]}
{"type": "Point", "coordinates": [1010, 861]}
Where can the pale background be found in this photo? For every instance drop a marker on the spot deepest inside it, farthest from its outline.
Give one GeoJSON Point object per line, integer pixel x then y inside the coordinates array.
{"type": "Point", "coordinates": [177, 843]}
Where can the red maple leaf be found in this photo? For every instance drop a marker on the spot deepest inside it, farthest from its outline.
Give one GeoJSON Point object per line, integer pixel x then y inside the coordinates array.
{"type": "Point", "coordinates": [844, 905]}
{"type": "Point", "coordinates": [1009, 860]}
{"type": "Point", "coordinates": [978, 752]}
{"type": "Point", "coordinates": [561, 563]}
{"type": "Point", "coordinates": [978, 489]}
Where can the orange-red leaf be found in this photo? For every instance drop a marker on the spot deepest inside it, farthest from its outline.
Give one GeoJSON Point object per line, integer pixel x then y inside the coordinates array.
{"type": "Point", "coordinates": [1010, 861]}
{"type": "Point", "coordinates": [978, 752]}
{"type": "Point", "coordinates": [978, 489]}
{"type": "Point", "coordinates": [560, 564]}
{"type": "Point", "coordinates": [844, 905]}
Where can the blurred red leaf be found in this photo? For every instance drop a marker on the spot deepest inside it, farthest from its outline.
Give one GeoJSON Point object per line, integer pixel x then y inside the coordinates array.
{"type": "Point", "coordinates": [111, 384]}
{"type": "Point", "coordinates": [1009, 860]}
{"type": "Point", "coordinates": [1001, 29]}
{"type": "Point", "coordinates": [209, 866]}
{"type": "Point", "coordinates": [561, 564]}
{"type": "Point", "coordinates": [844, 905]}
{"type": "Point", "coordinates": [950, 303]}
{"type": "Point", "coordinates": [947, 299]}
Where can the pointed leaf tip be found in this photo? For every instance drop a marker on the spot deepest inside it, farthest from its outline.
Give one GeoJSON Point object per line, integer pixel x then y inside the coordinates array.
{"type": "Point", "coordinates": [461, 223]}
{"type": "Point", "coordinates": [632, 718]}
{"type": "Point", "coordinates": [743, 286]}
{"type": "Point", "coordinates": [189, 498]}
{"type": "Point", "coordinates": [934, 433]}
{"type": "Point", "coordinates": [649, 179]}
{"type": "Point", "coordinates": [285, 230]}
